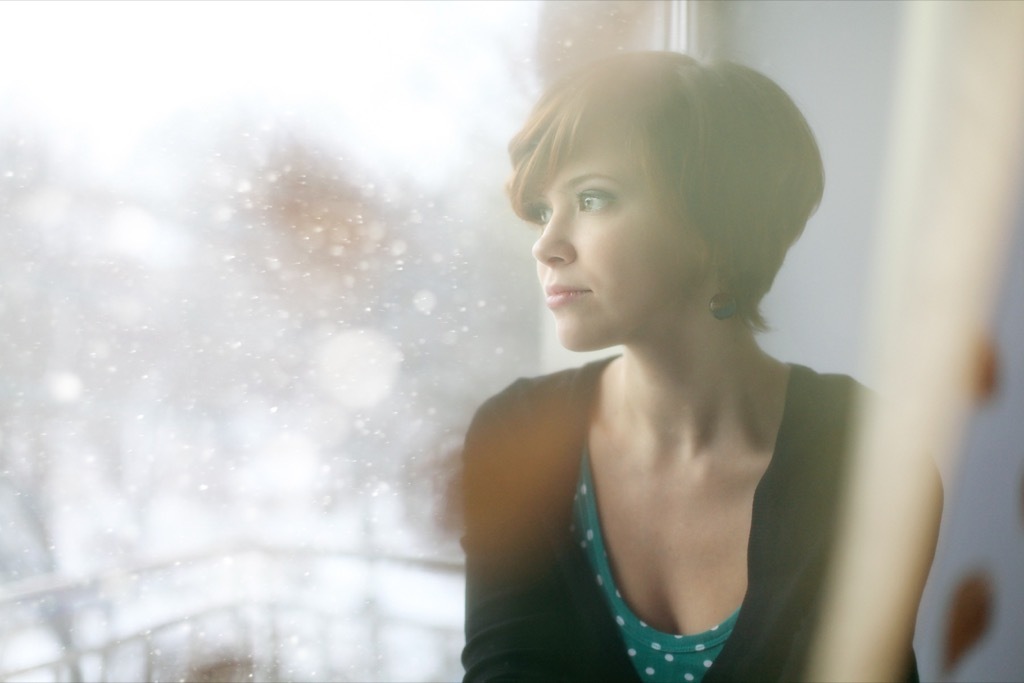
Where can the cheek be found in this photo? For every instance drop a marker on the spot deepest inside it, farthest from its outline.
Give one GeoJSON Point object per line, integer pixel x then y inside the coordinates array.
{"type": "Point", "coordinates": [689, 255]}
{"type": "Point", "coordinates": [672, 256]}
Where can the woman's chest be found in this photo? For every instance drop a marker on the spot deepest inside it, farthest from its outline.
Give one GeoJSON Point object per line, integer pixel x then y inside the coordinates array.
{"type": "Point", "coordinates": [676, 540]}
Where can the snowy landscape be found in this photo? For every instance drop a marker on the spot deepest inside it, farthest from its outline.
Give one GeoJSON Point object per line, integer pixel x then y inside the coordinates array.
{"type": "Point", "coordinates": [248, 309]}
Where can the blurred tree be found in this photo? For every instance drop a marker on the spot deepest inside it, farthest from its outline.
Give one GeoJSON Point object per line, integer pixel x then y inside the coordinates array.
{"type": "Point", "coordinates": [575, 32]}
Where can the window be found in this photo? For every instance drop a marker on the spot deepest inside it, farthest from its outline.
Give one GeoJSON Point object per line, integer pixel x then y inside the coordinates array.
{"type": "Point", "coordinates": [249, 305]}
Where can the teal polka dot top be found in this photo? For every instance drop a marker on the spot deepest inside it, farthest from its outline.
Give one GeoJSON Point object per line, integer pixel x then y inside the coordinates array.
{"type": "Point", "coordinates": [656, 655]}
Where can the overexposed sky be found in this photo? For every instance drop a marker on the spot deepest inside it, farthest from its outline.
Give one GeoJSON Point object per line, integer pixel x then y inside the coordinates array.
{"type": "Point", "coordinates": [402, 81]}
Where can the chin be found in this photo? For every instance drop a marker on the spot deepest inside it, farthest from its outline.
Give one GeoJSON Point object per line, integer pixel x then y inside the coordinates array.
{"type": "Point", "coordinates": [582, 343]}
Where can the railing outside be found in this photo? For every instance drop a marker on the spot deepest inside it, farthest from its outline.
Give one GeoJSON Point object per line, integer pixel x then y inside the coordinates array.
{"type": "Point", "coordinates": [254, 614]}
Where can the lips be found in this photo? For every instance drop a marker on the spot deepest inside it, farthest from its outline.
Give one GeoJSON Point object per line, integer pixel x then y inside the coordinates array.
{"type": "Point", "coordinates": [560, 295]}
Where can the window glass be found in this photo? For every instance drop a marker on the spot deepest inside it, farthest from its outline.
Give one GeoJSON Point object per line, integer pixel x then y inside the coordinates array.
{"type": "Point", "coordinates": [258, 271]}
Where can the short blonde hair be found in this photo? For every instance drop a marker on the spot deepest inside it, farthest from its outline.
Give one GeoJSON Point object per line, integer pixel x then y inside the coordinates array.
{"type": "Point", "coordinates": [724, 148]}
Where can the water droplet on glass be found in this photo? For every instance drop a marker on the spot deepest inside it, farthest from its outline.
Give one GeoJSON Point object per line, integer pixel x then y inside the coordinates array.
{"type": "Point", "coordinates": [424, 301]}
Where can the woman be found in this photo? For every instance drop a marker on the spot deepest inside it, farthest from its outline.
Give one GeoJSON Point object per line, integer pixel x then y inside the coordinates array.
{"type": "Point", "coordinates": [664, 514]}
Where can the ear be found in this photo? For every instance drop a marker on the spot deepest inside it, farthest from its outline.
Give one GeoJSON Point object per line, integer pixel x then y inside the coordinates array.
{"type": "Point", "coordinates": [706, 262]}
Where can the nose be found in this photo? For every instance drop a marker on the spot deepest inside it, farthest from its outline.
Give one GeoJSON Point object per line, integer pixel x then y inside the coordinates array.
{"type": "Point", "coordinates": [554, 247]}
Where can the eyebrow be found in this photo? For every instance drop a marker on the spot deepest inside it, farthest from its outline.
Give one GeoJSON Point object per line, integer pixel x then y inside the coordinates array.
{"type": "Point", "coordinates": [587, 177]}
{"type": "Point", "coordinates": [574, 183]}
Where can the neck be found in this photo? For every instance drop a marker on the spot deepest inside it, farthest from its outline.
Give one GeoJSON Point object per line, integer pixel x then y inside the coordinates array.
{"type": "Point", "coordinates": [698, 393]}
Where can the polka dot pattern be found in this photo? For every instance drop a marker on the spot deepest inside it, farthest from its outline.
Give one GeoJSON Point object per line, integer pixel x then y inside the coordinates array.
{"type": "Point", "coordinates": [656, 656]}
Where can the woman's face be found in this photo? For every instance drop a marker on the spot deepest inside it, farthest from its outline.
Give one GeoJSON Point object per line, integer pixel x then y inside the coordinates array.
{"type": "Point", "coordinates": [614, 267]}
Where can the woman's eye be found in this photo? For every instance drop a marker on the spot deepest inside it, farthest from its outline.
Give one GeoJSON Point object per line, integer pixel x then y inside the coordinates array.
{"type": "Point", "coordinates": [540, 214]}
{"type": "Point", "coordinates": [594, 200]}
